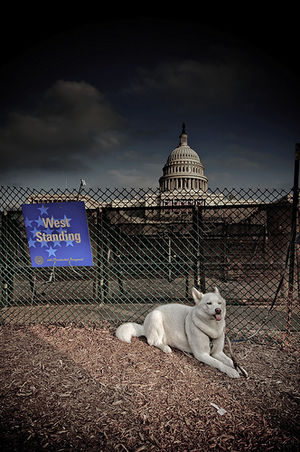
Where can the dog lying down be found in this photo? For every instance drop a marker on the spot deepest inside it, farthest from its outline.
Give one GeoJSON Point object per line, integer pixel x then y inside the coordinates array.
{"type": "Point", "coordinates": [195, 329]}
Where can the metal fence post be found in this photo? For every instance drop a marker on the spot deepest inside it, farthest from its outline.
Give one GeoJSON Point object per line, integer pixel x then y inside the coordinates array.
{"type": "Point", "coordinates": [6, 278]}
{"type": "Point", "coordinates": [225, 259]}
{"type": "Point", "coordinates": [2, 256]}
{"type": "Point", "coordinates": [102, 259]}
{"type": "Point", "coordinates": [292, 243]}
{"type": "Point", "coordinates": [99, 263]}
{"type": "Point", "coordinates": [105, 256]}
{"type": "Point", "coordinates": [199, 269]}
{"type": "Point", "coordinates": [294, 217]}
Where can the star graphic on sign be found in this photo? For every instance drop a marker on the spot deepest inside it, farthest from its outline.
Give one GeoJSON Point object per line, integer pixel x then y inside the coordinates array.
{"type": "Point", "coordinates": [69, 242]}
{"type": "Point", "coordinates": [43, 210]}
{"type": "Point", "coordinates": [34, 231]}
{"type": "Point", "coordinates": [67, 220]}
{"type": "Point", "coordinates": [51, 251]}
{"type": "Point", "coordinates": [56, 243]}
{"type": "Point", "coordinates": [49, 231]}
{"type": "Point", "coordinates": [39, 222]}
{"type": "Point", "coordinates": [31, 243]}
{"type": "Point", "coordinates": [43, 243]}
{"type": "Point", "coordinates": [28, 222]}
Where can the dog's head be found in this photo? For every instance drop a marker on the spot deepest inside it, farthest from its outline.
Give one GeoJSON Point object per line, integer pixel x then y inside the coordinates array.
{"type": "Point", "coordinates": [211, 304]}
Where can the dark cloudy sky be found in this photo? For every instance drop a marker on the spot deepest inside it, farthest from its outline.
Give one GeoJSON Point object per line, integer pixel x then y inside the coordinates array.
{"type": "Point", "coordinates": [105, 100]}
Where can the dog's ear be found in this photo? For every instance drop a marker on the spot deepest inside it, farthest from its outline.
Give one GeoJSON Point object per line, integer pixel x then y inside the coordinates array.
{"type": "Point", "coordinates": [197, 296]}
{"type": "Point", "coordinates": [217, 291]}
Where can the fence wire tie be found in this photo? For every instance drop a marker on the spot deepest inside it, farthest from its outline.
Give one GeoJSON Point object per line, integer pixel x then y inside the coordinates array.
{"type": "Point", "coordinates": [52, 274]}
{"type": "Point", "coordinates": [77, 273]}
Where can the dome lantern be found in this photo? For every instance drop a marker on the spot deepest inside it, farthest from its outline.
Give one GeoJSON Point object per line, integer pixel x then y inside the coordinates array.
{"type": "Point", "coordinates": [183, 136]}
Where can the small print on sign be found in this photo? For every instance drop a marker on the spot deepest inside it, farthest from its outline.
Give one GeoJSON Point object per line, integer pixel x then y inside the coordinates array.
{"type": "Point", "coordinates": [57, 234]}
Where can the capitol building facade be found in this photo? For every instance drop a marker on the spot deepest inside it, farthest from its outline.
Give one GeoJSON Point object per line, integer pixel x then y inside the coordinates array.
{"type": "Point", "coordinates": [183, 169]}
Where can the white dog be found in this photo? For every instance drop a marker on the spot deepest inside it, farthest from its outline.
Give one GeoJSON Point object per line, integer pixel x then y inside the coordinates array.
{"type": "Point", "coordinates": [195, 329]}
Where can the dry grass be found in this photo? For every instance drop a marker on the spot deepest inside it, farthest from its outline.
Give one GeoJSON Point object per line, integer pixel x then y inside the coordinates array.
{"type": "Point", "coordinates": [71, 388]}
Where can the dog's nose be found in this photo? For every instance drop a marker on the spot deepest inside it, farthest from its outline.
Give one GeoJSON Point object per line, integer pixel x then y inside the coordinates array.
{"type": "Point", "coordinates": [218, 311]}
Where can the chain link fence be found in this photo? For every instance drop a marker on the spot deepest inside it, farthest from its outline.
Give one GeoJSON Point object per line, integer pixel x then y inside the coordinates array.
{"type": "Point", "coordinates": [149, 249]}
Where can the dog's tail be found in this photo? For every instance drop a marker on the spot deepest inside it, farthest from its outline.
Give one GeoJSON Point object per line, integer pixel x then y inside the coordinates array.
{"type": "Point", "coordinates": [128, 330]}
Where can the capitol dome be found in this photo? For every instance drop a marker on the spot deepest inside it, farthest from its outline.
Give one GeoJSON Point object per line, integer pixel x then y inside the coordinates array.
{"type": "Point", "coordinates": [183, 169]}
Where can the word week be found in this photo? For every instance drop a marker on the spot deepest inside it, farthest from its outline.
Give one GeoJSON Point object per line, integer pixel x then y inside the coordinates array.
{"type": "Point", "coordinates": [57, 237]}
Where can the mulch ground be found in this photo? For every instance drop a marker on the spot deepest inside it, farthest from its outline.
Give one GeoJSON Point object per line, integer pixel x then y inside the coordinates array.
{"type": "Point", "coordinates": [80, 389]}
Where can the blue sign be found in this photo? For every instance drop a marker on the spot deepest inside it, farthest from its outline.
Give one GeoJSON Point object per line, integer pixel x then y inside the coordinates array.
{"type": "Point", "coordinates": [57, 234]}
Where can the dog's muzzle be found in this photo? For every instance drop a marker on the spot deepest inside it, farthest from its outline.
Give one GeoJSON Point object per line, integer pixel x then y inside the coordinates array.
{"type": "Point", "coordinates": [218, 314]}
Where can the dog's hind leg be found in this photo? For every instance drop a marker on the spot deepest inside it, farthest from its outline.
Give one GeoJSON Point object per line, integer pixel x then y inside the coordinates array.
{"type": "Point", "coordinates": [155, 332]}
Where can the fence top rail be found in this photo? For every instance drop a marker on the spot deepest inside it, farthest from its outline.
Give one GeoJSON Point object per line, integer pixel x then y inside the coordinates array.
{"type": "Point", "coordinates": [12, 198]}
{"type": "Point", "coordinates": [271, 204]}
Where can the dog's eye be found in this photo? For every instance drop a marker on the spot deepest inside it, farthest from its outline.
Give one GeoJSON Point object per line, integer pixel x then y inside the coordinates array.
{"type": "Point", "coordinates": [209, 302]}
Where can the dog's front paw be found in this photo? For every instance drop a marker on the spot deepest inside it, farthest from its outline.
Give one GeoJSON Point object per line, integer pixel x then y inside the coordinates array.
{"type": "Point", "coordinates": [166, 349]}
{"type": "Point", "coordinates": [232, 373]}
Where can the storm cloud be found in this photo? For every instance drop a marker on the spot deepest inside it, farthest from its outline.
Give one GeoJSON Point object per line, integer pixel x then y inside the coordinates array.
{"type": "Point", "coordinates": [201, 85]}
{"type": "Point", "coordinates": [72, 125]}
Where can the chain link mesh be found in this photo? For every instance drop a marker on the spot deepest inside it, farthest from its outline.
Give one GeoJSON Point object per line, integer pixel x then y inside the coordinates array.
{"type": "Point", "coordinates": [149, 249]}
